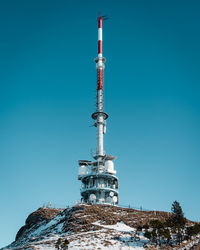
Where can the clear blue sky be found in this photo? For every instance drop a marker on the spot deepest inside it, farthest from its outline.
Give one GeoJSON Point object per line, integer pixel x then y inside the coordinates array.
{"type": "Point", "coordinates": [47, 94]}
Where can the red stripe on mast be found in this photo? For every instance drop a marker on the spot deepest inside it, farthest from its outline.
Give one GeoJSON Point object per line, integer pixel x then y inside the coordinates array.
{"type": "Point", "coordinates": [100, 19]}
{"type": "Point", "coordinates": [100, 47]}
{"type": "Point", "coordinates": [100, 79]}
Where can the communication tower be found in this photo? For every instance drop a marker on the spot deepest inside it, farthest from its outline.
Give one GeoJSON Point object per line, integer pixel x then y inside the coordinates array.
{"type": "Point", "coordinates": [98, 177]}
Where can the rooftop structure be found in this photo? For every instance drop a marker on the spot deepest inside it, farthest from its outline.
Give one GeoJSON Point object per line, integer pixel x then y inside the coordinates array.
{"type": "Point", "coordinates": [98, 177]}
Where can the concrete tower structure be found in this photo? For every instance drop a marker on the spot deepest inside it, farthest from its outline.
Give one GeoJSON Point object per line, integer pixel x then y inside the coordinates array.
{"type": "Point", "coordinates": [99, 182]}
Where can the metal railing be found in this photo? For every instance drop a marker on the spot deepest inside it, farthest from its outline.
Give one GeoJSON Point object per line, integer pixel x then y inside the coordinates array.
{"type": "Point", "coordinates": [62, 206]}
{"type": "Point", "coordinates": [98, 188]}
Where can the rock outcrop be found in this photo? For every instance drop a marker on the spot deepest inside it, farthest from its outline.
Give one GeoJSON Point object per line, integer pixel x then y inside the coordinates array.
{"type": "Point", "coordinates": [35, 218]}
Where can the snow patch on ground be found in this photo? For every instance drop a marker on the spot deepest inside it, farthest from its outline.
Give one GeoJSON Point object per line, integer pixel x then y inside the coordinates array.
{"type": "Point", "coordinates": [120, 226]}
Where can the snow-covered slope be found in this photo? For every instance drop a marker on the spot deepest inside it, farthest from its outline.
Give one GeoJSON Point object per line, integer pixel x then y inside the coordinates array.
{"type": "Point", "coordinates": [88, 227]}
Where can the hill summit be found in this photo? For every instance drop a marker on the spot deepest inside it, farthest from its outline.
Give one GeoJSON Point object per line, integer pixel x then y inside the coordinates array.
{"type": "Point", "coordinates": [99, 227]}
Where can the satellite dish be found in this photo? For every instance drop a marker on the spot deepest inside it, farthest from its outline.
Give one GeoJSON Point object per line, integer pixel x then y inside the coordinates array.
{"type": "Point", "coordinates": [111, 194]}
{"type": "Point", "coordinates": [108, 200]}
{"type": "Point", "coordinates": [115, 199]}
{"type": "Point", "coordinates": [92, 197]}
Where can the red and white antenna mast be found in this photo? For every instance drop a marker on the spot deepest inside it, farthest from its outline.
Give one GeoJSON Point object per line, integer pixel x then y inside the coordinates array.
{"type": "Point", "coordinates": [99, 116]}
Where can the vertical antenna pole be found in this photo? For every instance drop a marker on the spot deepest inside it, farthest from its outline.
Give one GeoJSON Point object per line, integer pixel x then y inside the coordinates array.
{"type": "Point", "coordinates": [100, 123]}
{"type": "Point", "coordinates": [100, 116]}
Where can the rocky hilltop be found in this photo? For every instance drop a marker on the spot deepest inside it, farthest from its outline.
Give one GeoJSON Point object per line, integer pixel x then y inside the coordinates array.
{"type": "Point", "coordinates": [98, 227]}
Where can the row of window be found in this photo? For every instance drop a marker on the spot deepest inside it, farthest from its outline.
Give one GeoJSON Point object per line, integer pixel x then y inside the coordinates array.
{"type": "Point", "coordinates": [84, 186]}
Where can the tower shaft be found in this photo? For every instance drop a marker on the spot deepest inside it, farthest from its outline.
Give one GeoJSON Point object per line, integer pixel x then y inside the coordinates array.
{"type": "Point", "coordinates": [100, 123]}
